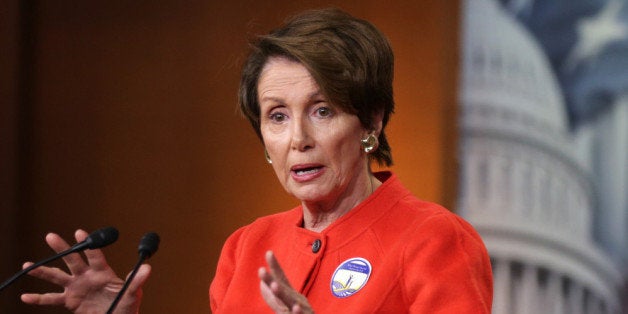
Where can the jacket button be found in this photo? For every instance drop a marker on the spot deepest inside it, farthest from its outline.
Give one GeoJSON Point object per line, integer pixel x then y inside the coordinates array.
{"type": "Point", "coordinates": [316, 246]}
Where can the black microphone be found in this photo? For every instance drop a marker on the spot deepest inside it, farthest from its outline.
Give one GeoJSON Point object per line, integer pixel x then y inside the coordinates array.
{"type": "Point", "coordinates": [97, 239]}
{"type": "Point", "coordinates": [148, 246]}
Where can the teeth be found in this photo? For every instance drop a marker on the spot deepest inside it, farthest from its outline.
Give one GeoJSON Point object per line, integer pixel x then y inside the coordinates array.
{"type": "Point", "coordinates": [303, 172]}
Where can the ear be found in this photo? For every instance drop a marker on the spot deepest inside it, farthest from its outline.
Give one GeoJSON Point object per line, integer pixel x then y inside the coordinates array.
{"type": "Point", "coordinates": [378, 122]}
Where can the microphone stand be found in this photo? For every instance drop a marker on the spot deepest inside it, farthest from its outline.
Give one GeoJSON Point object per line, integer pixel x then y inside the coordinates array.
{"type": "Point", "coordinates": [99, 238]}
{"type": "Point", "coordinates": [29, 268]}
{"type": "Point", "coordinates": [126, 285]}
{"type": "Point", "coordinates": [148, 246]}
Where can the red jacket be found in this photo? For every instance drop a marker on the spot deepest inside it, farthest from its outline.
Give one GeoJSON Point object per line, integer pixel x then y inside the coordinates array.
{"type": "Point", "coordinates": [398, 255]}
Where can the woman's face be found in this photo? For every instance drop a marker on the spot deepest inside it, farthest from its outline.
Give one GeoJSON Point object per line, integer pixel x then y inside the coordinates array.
{"type": "Point", "coordinates": [314, 146]}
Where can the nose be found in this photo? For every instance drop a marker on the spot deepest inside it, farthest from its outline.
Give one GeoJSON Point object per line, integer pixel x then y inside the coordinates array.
{"type": "Point", "coordinates": [301, 135]}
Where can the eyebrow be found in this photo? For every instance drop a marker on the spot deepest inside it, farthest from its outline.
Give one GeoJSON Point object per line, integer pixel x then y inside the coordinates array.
{"type": "Point", "coordinates": [271, 98]}
{"type": "Point", "coordinates": [279, 100]}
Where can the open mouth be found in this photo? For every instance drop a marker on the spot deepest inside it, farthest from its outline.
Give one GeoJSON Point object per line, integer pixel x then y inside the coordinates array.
{"type": "Point", "coordinates": [304, 170]}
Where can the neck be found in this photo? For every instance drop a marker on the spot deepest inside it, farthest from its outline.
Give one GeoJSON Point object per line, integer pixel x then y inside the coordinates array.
{"type": "Point", "coordinates": [319, 215]}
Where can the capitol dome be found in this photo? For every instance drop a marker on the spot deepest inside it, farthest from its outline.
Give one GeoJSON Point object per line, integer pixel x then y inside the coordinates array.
{"type": "Point", "coordinates": [521, 186]}
{"type": "Point", "coordinates": [505, 65]}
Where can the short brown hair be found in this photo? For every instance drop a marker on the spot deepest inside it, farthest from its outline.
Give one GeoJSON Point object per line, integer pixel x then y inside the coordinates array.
{"type": "Point", "coordinates": [349, 59]}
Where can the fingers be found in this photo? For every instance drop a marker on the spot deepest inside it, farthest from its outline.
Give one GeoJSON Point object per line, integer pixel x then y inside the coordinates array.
{"type": "Point", "coordinates": [277, 291]}
{"type": "Point", "coordinates": [296, 309]}
{"type": "Point", "coordinates": [275, 268]}
{"type": "Point", "coordinates": [133, 296]}
{"type": "Point", "coordinates": [269, 297]}
{"type": "Point", "coordinates": [56, 242]}
{"type": "Point", "coordinates": [50, 274]}
{"type": "Point", "coordinates": [265, 276]}
{"type": "Point", "coordinates": [274, 278]}
{"type": "Point", "coordinates": [43, 299]}
{"type": "Point", "coordinates": [80, 235]}
{"type": "Point", "coordinates": [95, 258]}
{"type": "Point", "coordinates": [285, 294]}
{"type": "Point", "coordinates": [140, 278]}
{"type": "Point", "coordinates": [75, 263]}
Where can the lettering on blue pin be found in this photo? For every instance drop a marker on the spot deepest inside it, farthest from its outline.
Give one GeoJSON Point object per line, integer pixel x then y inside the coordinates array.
{"type": "Point", "coordinates": [350, 277]}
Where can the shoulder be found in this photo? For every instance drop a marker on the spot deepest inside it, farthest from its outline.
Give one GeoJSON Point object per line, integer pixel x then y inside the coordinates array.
{"type": "Point", "coordinates": [433, 223]}
{"type": "Point", "coordinates": [419, 220]}
{"type": "Point", "coordinates": [450, 255]}
{"type": "Point", "coordinates": [435, 218]}
{"type": "Point", "coordinates": [408, 213]}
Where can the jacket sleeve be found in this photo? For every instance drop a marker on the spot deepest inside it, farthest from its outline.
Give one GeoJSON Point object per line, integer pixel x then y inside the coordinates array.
{"type": "Point", "coordinates": [447, 268]}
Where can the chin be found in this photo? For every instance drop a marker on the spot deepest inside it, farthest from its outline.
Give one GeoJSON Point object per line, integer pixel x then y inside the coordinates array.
{"type": "Point", "coordinates": [308, 194]}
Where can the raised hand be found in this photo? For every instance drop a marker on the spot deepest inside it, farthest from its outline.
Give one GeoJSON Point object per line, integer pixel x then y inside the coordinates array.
{"type": "Point", "coordinates": [277, 291]}
{"type": "Point", "coordinates": [90, 286]}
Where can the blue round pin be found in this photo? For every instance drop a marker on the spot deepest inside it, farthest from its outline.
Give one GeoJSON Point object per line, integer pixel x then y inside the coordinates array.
{"type": "Point", "coordinates": [350, 277]}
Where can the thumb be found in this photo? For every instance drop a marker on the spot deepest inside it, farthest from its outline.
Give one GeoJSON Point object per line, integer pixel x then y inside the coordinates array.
{"type": "Point", "coordinates": [140, 278]}
{"type": "Point", "coordinates": [130, 303]}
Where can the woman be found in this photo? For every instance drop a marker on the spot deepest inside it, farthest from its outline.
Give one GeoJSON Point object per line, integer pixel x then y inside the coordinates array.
{"type": "Point", "coordinates": [318, 92]}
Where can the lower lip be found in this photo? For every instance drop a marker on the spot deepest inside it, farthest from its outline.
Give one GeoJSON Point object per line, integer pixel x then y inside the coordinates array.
{"type": "Point", "coordinates": [307, 176]}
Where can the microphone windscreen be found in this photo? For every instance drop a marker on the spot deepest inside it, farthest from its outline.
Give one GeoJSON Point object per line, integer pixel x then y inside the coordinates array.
{"type": "Point", "coordinates": [148, 244]}
{"type": "Point", "coordinates": [101, 238]}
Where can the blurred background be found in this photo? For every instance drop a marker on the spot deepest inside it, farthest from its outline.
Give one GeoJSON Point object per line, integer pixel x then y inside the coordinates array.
{"type": "Point", "coordinates": [543, 104]}
{"type": "Point", "coordinates": [123, 113]}
{"type": "Point", "coordinates": [512, 113]}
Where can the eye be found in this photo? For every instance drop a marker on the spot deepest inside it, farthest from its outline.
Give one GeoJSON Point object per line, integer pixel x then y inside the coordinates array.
{"type": "Point", "coordinates": [324, 112]}
{"type": "Point", "coordinates": [277, 117]}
